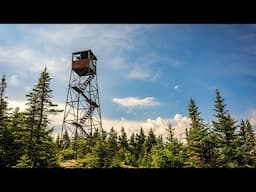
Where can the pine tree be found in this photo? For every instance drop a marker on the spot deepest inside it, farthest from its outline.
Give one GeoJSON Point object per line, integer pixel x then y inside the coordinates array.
{"type": "Point", "coordinates": [41, 148]}
{"type": "Point", "coordinates": [19, 134]}
{"type": "Point", "coordinates": [123, 154]}
{"type": "Point", "coordinates": [99, 157]}
{"type": "Point", "coordinates": [170, 133]}
{"type": "Point", "coordinates": [150, 141]}
{"type": "Point", "coordinates": [6, 137]}
{"type": "Point", "coordinates": [122, 140]}
{"type": "Point", "coordinates": [24, 162]}
{"type": "Point", "coordinates": [224, 127]}
{"type": "Point", "coordinates": [169, 155]}
{"type": "Point", "coordinates": [246, 152]}
{"type": "Point", "coordinates": [132, 160]}
{"type": "Point", "coordinates": [139, 140]}
{"type": "Point", "coordinates": [139, 143]}
{"type": "Point", "coordinates": [65, 140]}
{"type": "Point", "coordinates": [195, 138]}
{"type": "Point", "coordinates": [249, 135]}
{"type": "Point", "coordinates": [250, 144]}
{"type": "Point", "coordinates": [112, 143]}
{"type": "Point", "coordinates": [148, 144]}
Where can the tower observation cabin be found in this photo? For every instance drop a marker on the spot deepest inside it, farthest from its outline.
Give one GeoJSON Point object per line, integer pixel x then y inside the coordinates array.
{"type": "Point", "coordinates": [84, 63]}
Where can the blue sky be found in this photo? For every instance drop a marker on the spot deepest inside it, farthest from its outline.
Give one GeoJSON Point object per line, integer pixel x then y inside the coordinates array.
{"type": "Point", "coordinates": [144, 71]}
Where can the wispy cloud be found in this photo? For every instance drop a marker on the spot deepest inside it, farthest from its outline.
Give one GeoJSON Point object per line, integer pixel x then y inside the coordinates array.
{"type": "Point", "coordinates": [13, 80]}
{"type": "Point", "coordinates": [139, 73]}
{"type": "Point", "coordinates": [28, 60]}
{"type": "Point", "coordinates": [176, 87]}
{"type": "Point", "coordinates": [136, 102]}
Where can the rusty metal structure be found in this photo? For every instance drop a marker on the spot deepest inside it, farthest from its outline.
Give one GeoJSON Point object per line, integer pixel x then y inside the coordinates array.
{"type": "Point", "coordinates": [82, 115]}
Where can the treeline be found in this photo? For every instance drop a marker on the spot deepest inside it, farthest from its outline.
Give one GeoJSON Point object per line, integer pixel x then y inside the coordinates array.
{"type": "Point", "coordinates": [26, 140]}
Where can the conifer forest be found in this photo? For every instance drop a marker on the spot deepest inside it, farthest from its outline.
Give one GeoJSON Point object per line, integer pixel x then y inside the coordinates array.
{"type": "Point", "coordinates": [26, 139]}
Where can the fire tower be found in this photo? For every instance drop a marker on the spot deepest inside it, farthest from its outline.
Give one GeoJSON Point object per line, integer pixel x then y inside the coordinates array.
{"type": "Point", "coordinates": [82, 111]}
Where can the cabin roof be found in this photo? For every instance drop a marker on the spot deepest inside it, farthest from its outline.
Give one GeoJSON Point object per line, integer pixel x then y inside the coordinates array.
{"type": "Point", "coordinates": [89, 50]}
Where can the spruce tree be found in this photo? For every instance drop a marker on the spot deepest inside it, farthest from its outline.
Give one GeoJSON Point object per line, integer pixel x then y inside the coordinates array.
{"type": "Point", "coordinates": [195, 137]}
{"type": "Point", "coordinates": [148, 144]}
{"type": "Point", "coordinates": [132, 149]}
{"type": "Point", "coordinates": [19, 133]}
{"type": "Point", "coordinates": [122, 140]}
{"type": "Point", "coordinates": [224, 127]}
{"type": "Point", "coordinates": [41, 148]}
{"type": "Point", "coordinates": [6, 137]}
{"type": "Point", "coordinates": [246, 152]}
{"type": "Point", "coordinates": [112, 144]}
{"type": "Point", "coordinates": [170, 133]}
{"type": "Point", "coordinates": [139, 144]}
{"type": "Point", "coordinates": [150, 141]}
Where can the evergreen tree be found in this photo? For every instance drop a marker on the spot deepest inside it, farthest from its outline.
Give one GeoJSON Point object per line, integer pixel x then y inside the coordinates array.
{"type": "Point", "coordinates": [249, 135]}
{"type": "Point", "coordinates": [250, 144]}
{"type": "Point", "coordinates": [148, 144]}
{"type": "Point", "coordinates": [99, 157]}
{"type": "Point", "coordinates": [19, 134]}
{"type": "Point", "coordinates": [112, 143]}
{"type": "Point", "coordinates": [246, 152]}
{"type": "Point", "coordinates": [169, 155]}
{"type": "Point", "coordinates": [122, 140]}
{"type": "Point", "coordinates": [24, 162]}
{"type": "Point", "coordinates": [139, 140]}
{"type": "Point", "coordinates": [132, 160]}
{"type": "Point", "coordinates": [6, 137]}
{"type": "Point", "coordinates": [224, 127]}
{"type": "Point", "coordinates": [41, 148]}
{"type": "Point", "coordinates": [65, 140]}
{"type": "Point", "coordinates": [123, 154]}
{"type": "Point", "coordinates": [139, 144]}
{"type": "Point", "coordinates": [170, 133]}
{"type": "Point", "coordinates": [195, 138]}
{"type": "Point", "coordinates": [159, 140]}
{"type": "Point", "coordinates": [150, 141]}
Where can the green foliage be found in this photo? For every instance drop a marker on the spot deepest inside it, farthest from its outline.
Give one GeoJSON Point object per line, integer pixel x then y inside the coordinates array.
{"type": "Point", "coordinates": [224, 128]}
{"type": "Point", "coordinates": [246, 153]}
{"type": "Point", "coordinates": [24, 162]}
{"type": "Point", "coordinates": [197, 148]}
{"type": "Point", "coordinates": [26, 140]}
{"type": "Point", "coordinates": [122, 140]}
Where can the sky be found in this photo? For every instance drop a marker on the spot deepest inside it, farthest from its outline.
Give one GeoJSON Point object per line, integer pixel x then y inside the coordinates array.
{"type": "Point", "coordinates": [147, 73]}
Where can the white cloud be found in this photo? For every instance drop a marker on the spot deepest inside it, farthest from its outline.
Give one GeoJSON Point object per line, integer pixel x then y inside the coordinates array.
{"type": "Point", "coordinates": [103, 38]}
{"type": "Point", "coordinates": [156, 76]}
{"type": "Point", "coordinates": [139, 72]}
{"type": "Point", "coordinates": [135, 101]}
{"type": "Point", "coordinates": [176, 87]}
{"type": "Point", "coordinates": [55, 119]}
{"type": "Point", "coordinates": [16, 103]}
{"type": "Point", "coordinates": [13, 80]}
{"type": "Point", "coordinates": [28, 60]}
{"type": "Point", "coordinates": [253, 117]}
{"type": "Point", "coordinates": [158, 125]}
{"type": "Point", "coordinates": [118, 63]}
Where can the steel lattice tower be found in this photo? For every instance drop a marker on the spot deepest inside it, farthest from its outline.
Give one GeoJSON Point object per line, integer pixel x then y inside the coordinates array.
{"type": "Point", "coordinates": [82, 111]}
